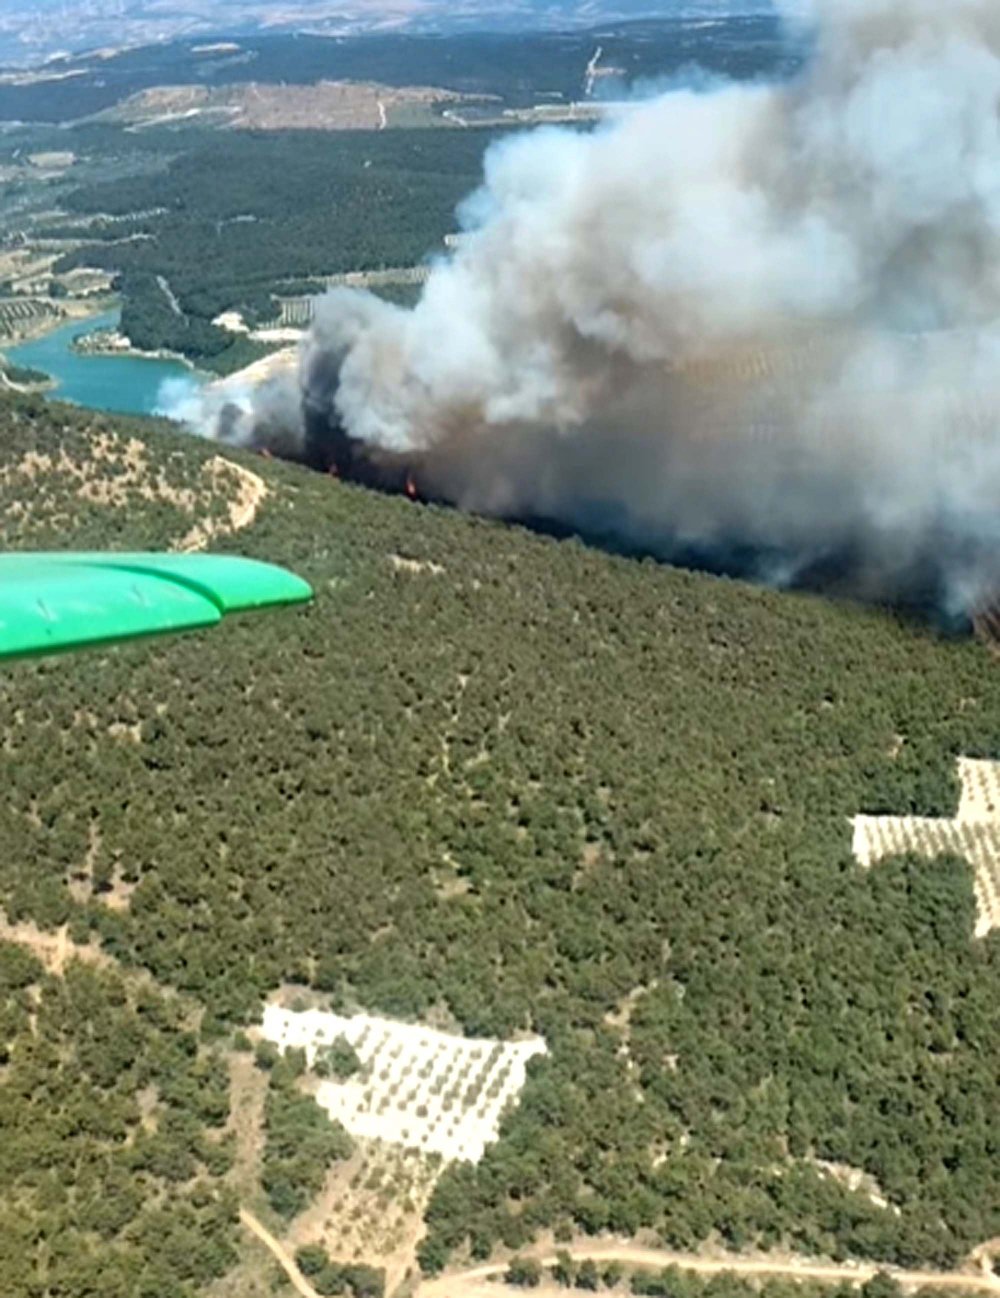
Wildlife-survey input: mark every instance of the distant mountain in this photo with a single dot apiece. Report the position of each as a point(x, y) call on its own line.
point(514, 68)
point(45, 29)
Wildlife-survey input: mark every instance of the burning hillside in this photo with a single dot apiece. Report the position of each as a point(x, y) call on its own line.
point(757, 326)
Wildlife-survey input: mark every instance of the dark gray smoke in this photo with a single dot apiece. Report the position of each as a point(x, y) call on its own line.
point(761, 322)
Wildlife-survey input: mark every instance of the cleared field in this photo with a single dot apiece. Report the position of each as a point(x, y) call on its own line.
point(425, 1090)
point(974, 834)
point(326, 105)
point(52, 160)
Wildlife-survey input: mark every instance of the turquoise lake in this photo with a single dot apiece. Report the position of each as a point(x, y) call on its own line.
point(129, 385)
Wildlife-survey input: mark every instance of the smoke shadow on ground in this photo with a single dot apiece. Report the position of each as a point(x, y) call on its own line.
point(835, 574)
point(838, 573)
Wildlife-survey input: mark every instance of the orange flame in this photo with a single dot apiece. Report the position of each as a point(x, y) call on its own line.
point(411, 486)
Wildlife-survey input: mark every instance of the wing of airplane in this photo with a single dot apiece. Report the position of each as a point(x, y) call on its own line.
point(54, 602)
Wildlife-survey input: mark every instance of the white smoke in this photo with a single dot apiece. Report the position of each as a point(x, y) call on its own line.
point(181, 399)
point(763, 316)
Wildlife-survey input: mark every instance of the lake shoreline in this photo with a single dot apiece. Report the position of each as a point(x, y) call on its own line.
point(69, 311)
point(112, 342)
point(119, 379)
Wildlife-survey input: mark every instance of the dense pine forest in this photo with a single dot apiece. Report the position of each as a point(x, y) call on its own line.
point(515, 784)
point(294, 207)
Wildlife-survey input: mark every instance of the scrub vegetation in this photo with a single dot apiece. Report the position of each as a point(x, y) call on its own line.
point(112, 1157)
point(512, 785)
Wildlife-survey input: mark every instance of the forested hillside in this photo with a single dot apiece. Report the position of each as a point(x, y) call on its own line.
point(294, 207)
point(525, 786)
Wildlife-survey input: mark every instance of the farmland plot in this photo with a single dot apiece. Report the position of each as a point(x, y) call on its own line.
point(372, 1209)
point(416, 1087)
point(21, 315)
point(974, 834)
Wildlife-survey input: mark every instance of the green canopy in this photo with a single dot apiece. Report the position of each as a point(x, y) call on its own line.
point(54, 602)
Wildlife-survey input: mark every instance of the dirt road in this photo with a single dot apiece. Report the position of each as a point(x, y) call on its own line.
point(476, 1283)
point(281, 1255)
point(480, 1282)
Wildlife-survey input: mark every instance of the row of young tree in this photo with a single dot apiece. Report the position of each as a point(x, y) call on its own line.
point(542, 789)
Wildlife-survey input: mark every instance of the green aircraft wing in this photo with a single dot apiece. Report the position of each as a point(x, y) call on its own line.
point(54, 602)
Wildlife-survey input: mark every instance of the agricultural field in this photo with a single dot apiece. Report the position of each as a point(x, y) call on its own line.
point(324, 106)
point(34, 295)
point(973, 835)
point(424, 1090)
point(23, 317)
point(371, 1208)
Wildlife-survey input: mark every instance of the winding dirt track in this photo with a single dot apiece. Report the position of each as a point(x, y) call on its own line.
point(474, 1284)
point(281, 1255)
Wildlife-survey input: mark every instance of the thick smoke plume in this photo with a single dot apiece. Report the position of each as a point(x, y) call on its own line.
point(758, 325)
